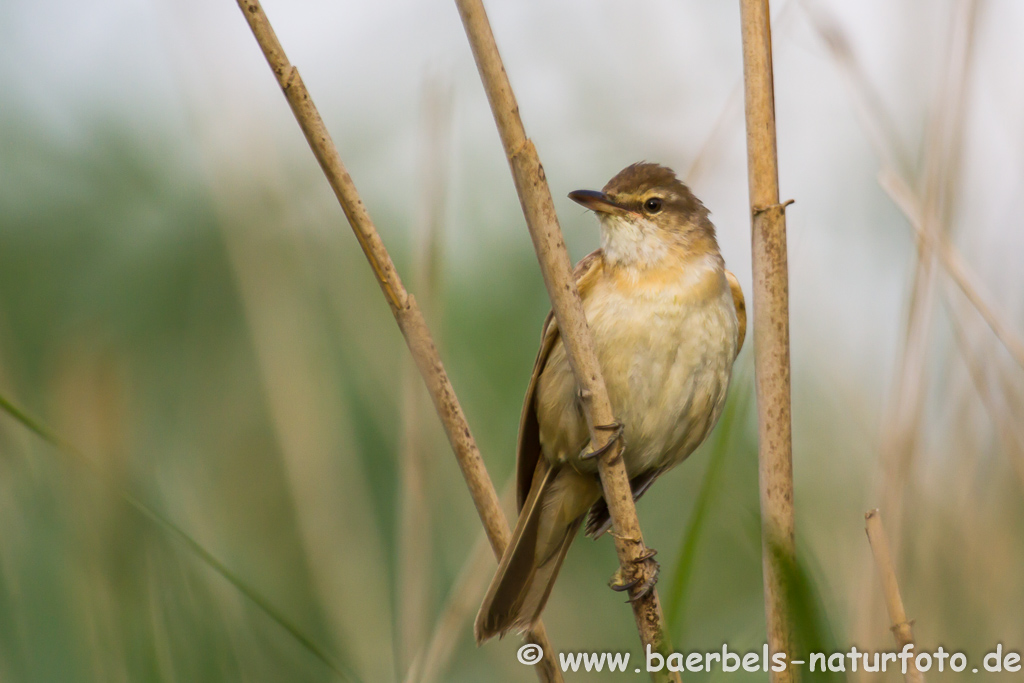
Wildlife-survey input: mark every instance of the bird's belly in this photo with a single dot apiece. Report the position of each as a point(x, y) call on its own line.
point(666, 362)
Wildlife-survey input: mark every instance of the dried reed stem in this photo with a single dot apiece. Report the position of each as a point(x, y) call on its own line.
point(878, 125)
point(901, 426)
point(771, 327)
point(459, 608)
point(403, 305)
point(313, 430)
point(943, 143)
point(952, 262)
point(458, 611)
point(1006, 424)
point(901, 628)
point(721, 135)
point(556, 268)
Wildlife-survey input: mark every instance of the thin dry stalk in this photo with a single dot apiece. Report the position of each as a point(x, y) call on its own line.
point(771, 327)
point(944, 138)
point(414, 556)
point(414, 535)
point(459, 609)
point(711, 150)
point(932, 216)
point(901, 425)
point(900, 429)
point(952, 262)
point(720, 135)
point(901, 627)
point(943, 144)
point(403, 305)
point(313, 432)
point(556, 268)
point(1006, 426)
point(870, 106)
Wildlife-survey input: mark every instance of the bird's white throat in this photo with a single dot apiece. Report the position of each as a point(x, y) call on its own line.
point(632, 241)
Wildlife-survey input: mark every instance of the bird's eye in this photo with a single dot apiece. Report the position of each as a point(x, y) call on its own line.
point(653, 205)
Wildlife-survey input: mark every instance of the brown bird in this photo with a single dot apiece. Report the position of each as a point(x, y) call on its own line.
point(668, 320)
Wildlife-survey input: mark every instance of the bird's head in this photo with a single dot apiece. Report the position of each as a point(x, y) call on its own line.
point(647, 215)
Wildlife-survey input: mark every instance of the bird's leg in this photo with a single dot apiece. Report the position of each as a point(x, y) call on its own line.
point(616, 428)
point(645, 571)
point(644, 575)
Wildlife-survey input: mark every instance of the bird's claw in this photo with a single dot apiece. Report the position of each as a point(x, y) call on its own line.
point(644, 576)
point(647, 554)
point(616, 428)
point(620, 583)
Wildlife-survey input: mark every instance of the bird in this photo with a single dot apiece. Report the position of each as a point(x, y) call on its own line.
point(668, 321)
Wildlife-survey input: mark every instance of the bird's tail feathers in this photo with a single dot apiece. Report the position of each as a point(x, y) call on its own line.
point(548, 522)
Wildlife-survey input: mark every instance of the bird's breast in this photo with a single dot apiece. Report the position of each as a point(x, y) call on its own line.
point(665, 342)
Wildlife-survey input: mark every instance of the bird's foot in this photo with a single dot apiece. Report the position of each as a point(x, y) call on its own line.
point(643, 579)
point(616, 429)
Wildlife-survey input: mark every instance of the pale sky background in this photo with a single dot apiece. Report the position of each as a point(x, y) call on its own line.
point(600, 85)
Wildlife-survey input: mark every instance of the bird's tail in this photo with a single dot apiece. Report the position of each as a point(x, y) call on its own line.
point(548, 522)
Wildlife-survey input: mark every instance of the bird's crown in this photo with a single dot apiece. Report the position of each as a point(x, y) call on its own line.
point(650, 189)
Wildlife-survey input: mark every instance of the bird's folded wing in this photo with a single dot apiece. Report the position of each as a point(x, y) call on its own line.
point(528, 450)
point(741, 308)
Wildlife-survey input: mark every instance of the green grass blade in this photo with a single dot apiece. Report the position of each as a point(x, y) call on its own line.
point(810, 624)
point(733, 416)
point(263, 604)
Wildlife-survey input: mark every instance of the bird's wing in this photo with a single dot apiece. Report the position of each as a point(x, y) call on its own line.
point(741, 308)
point(528, 449)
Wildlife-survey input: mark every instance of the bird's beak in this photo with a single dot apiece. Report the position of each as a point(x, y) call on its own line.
point(597, 201)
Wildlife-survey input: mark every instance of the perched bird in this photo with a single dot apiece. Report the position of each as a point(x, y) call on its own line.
point(668, 321)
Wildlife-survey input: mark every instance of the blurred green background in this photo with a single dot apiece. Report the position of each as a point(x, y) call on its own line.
point(181, 299)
